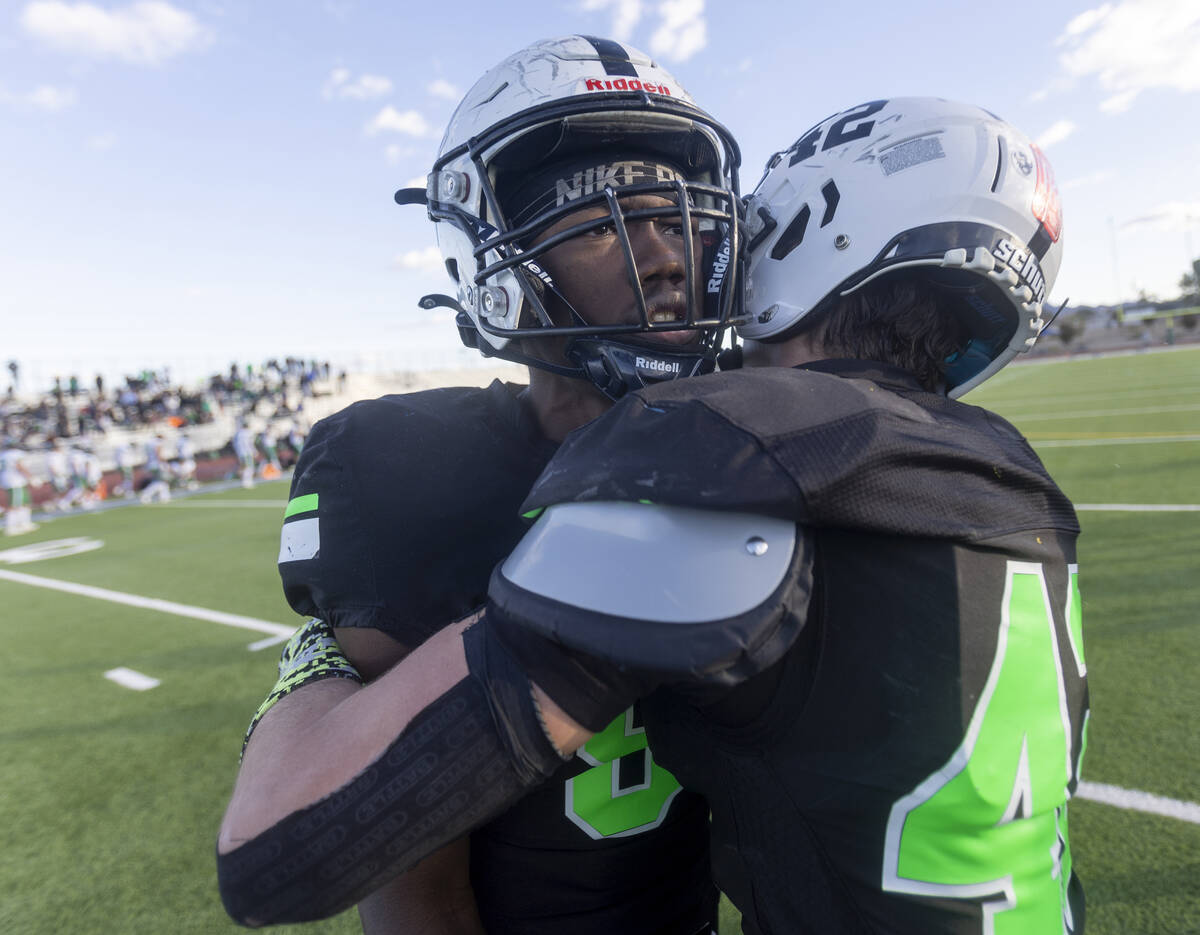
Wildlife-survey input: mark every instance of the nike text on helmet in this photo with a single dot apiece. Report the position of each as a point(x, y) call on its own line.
point(561, 125)
point(929, 187)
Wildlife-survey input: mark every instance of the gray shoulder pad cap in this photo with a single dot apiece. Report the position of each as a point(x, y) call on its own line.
point(699, 594)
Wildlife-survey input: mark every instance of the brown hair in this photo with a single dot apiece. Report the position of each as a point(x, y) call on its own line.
point(899, 320)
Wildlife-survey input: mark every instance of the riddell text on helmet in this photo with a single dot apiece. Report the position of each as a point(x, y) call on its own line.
point(626, 84)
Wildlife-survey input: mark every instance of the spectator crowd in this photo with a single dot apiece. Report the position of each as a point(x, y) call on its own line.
point(76, 444)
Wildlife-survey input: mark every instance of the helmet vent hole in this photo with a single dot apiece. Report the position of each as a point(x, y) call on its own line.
point(832, 197)
point(999, 163)
point(492, 96)
point(793, 235)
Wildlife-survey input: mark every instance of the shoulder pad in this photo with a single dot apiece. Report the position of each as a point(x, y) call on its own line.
point(696, 593)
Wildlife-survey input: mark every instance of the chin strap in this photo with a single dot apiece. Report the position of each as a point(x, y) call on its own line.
point(615, 367)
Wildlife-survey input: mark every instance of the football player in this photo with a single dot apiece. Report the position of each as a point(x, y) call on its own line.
point(14, 478)
point(860, 593)
point(245, 452)
point(578, 195)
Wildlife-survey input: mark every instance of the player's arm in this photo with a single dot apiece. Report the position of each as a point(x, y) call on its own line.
point(453, 735)
point(434, 897)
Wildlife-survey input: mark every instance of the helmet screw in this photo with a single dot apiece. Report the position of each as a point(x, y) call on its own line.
point(454, 186)
point(841, 241)
point(756, 545)
point(493, 301)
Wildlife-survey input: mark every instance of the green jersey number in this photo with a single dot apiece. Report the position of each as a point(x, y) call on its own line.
point(991, 825)
point(625, 792)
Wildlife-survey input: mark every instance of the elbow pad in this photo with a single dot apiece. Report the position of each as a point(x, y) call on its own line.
point(602, 602)
point(462, 760)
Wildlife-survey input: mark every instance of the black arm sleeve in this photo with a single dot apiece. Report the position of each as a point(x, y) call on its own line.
point(461, 761)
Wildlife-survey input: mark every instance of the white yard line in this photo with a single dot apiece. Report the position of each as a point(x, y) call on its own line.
point(1099, 413)
point(1140, 507)
point(1130, 440)
point(129, 678)
point(1094, 791)
point(150, 603)
point(1134, 800)
point(268, 642)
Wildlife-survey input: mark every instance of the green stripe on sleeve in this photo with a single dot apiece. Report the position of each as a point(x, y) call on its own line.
point(305, 504)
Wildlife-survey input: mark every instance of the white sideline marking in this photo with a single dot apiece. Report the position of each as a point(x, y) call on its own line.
point(131, 679)
point(1139, 801)
point(1140, 507)
point(54, 548)
point(1099, 413)
point(269, 641)
point(150, 603)
point(1131, 440)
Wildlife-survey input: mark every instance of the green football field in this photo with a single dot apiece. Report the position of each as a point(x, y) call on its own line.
point(113, 790)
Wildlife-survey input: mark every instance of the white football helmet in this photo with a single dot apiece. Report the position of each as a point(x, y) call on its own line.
point(942, 190)
point(556, 101)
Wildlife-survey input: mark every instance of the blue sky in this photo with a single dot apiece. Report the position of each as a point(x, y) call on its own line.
point(197, 181)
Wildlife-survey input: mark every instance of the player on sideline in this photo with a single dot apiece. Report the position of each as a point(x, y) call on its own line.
point(158, 487)
point(401, 506)
point(183, 465)
point(60, 474)
point(14, 478)
point(243, 448)
point(123, 456)
point(860, 593)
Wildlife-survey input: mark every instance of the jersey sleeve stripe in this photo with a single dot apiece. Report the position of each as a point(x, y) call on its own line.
point(304, 504)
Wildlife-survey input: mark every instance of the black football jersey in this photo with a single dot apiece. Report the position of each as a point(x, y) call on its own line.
point(905, 768)
point(399, 509)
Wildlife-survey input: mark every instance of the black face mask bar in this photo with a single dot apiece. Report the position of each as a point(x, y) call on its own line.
point(684, 209)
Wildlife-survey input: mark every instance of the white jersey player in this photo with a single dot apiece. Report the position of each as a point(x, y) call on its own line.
point(15, 480)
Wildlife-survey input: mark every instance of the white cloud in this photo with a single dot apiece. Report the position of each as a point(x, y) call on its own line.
point(51, 99)
point(409, 122)
point(44, 97)
point(1085, 21)
point(1056, 133)
point(428, 260)
point(145, 33)
point(1169, 216)
point(442, 88)
point(363, 88)
point(396, 153)
point(1133, 46)
point(102, 142)
point(682, 32)
point(1094, 178)
point(626, 15)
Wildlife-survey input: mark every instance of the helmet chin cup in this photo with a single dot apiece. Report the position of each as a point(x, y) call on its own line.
point(615, 367)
